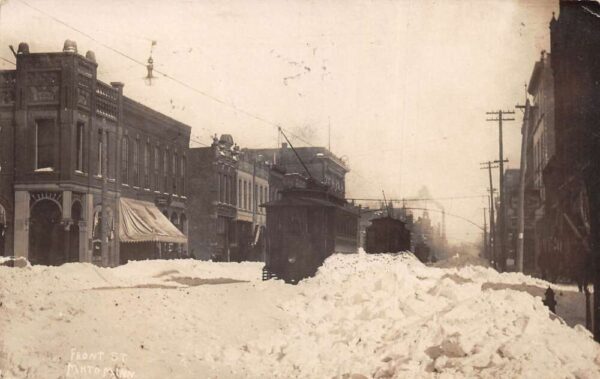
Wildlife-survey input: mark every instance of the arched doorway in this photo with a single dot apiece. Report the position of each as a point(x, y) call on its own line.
point(46, 242)
point(73, 248)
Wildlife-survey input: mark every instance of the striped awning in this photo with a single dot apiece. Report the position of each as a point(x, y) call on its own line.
point(142, 221)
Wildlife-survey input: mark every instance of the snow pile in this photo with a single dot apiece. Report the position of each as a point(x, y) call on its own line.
point(462, 260)
point(382, 316)
point(389, 316)
point(153, 319)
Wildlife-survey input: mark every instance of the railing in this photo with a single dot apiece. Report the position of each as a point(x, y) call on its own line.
point(266, 274)
point(106, 101)
point(7, 87)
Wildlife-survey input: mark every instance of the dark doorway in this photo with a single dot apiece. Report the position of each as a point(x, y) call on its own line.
point(3, 227)
point(46, 235)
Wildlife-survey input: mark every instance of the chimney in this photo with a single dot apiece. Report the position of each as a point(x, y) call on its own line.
point(70, 46)
point(23, 48)
point(90, 56)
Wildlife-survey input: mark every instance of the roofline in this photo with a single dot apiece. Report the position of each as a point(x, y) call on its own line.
point(136, 106)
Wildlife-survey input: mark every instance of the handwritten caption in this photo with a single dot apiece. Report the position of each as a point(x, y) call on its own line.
point(98, 364)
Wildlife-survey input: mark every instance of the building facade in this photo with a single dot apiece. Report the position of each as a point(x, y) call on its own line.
point(572, 176)
point(512, 179)
point(539, 148)
point(72, 148)
point(251, 219)
point(212, 199)
point(321, 163)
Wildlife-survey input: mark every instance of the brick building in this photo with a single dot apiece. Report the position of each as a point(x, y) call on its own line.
point(322, 164)
point(87, 174)
point(540, 147)
point(212, 199)
point(253, 176)
point(227, 187)
point(572, 176)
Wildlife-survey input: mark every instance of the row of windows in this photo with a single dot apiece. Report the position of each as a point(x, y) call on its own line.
point(152, 168)
point(45, 144)
point(248, 199)
point(145, 166)
point(226, 190)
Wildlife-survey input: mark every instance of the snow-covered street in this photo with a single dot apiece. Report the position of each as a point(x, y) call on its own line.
point(382, 316)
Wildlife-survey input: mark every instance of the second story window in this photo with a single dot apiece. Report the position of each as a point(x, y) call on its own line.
point(174, 165)
point(136, 163)
point(79, 149)
point(147, 165)
point(44, 142)
point(156, 166)
point(182, 169)
point(165, 170)
point(239, 197)
point(125, 161)
point(100, 152)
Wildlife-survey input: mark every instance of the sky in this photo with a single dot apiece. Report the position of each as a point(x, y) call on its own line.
point(399, 89)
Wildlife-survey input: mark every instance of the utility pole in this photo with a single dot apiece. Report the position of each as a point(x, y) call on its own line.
point(525, 130)
point(486, 248)
point(499, 116)
point(488, 166)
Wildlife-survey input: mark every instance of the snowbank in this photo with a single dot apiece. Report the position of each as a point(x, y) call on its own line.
point(388, 316)
point(382, 316)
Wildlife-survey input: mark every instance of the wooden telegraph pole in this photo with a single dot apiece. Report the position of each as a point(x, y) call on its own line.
point(499, 117)
point(488, 166)
point(486, 245)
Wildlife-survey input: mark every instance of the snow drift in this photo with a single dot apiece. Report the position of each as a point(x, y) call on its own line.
point(361, 316)
point(389, 316)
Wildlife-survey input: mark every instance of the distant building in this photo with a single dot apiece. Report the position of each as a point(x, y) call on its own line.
point(540, 147)
point(322, 164)
point(212, 199)
point(87, 174)
point(253, 190)
point(511, 196)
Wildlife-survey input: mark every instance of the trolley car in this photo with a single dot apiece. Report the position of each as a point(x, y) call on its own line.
point(304, 227)
point(387, 235)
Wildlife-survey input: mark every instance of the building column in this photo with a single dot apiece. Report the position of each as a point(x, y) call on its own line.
point(66, 205)
point(88, 211)
point(21, 224)
point(83, 243)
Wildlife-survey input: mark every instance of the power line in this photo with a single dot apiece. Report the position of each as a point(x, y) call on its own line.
point(174, 79)
point(422, 199)
point(6, 60)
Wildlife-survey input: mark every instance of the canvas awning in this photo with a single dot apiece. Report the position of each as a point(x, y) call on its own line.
point(142, 221)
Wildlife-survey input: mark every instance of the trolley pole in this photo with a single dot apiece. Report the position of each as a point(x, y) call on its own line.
point(499, 117)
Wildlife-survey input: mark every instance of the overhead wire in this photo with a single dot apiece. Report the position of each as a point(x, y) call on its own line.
point(6, 60)
point(168, 76)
